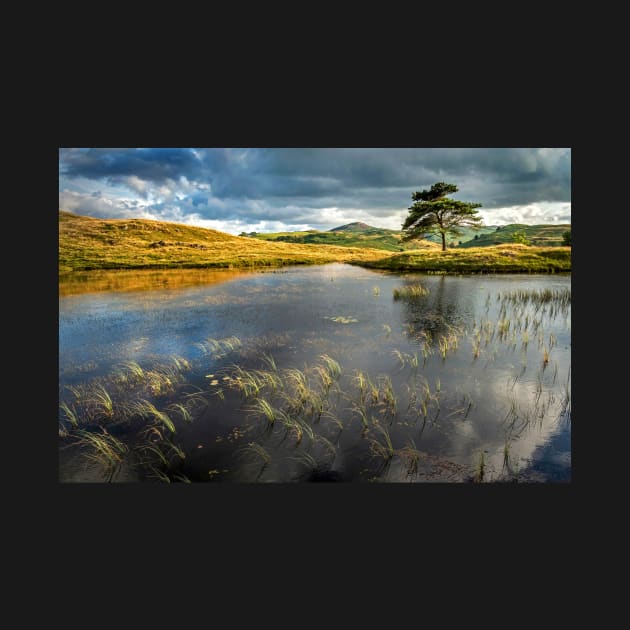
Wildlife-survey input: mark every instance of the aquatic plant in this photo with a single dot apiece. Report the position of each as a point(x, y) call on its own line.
point(410, 457)
point(146, 409)
point(104, 449)
point(383, 449)
point(410, 292)
point(70, 414)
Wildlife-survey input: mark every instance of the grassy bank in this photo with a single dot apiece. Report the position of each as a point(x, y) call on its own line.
point(86, 244)
point(498, 259)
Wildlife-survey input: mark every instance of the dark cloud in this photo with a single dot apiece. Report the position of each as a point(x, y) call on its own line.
point(150, 164)
point(292, 185)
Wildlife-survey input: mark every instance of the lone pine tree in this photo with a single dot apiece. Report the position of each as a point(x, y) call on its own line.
point(434, 213)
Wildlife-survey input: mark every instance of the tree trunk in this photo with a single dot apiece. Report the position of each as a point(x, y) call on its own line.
point(443, 242)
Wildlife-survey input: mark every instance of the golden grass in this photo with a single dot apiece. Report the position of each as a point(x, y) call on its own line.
point(87, 243)
point(498, 258)
point(79, 282)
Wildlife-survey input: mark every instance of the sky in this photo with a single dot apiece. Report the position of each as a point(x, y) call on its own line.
point(285, 189)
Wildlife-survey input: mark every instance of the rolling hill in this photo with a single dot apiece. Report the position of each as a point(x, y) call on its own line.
point(361, 234)
point(87, 243)
point(351, 235)
point(542, 235)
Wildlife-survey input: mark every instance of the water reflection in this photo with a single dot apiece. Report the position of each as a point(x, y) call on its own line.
point(144, 280)
point(476, 394)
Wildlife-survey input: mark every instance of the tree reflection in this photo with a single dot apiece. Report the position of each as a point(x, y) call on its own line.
point(436, 313)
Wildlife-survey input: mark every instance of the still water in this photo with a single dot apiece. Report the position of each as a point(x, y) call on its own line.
point(314, 373)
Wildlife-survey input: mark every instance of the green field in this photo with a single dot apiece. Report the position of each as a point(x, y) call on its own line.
point(540, 235)
point(363, 235)
point(351, 235)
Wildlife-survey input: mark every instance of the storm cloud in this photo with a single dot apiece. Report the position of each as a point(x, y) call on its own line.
point(239, 189)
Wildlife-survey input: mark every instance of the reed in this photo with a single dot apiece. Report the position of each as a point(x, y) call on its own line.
point(183, 411)
point(411, 291)
point(258, 452)
point(383, 449)
point(103, 405)
point(270, 362)
point(146, 409)
point(70, 414)
point(389, 396)
point(332, 366)
point(104, 449)
point(410, 457)
point(262, 408)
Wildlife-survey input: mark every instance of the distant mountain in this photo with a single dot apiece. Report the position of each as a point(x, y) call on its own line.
point(359, 234)
point(544, 235)
point(356, 234)
point(357, 226)
point(87, 243)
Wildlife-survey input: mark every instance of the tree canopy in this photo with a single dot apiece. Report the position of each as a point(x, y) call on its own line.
point(435, 213)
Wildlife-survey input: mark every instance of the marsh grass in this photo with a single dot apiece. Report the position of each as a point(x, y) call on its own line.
point(104, 449)
point(388, 395)
point(411, 291)
point(406, 359)
point(382, 448)
point(332, 366)
point(70, 414)
point(262, 408)
point(257, 454)
point(537, 297)
point(183, 411)
point(219, 348)
point(481, 468)
point(306, 460)
point(410, 456)
point(146, 409)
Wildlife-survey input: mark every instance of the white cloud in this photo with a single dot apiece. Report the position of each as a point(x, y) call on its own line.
point(103, 206)
point(138, 185)
point(530, 214)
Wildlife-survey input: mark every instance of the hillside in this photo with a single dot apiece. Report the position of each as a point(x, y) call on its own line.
point(350, 235)
point(540, 235)
point(468, 234)
point(87, 243)
point(357, 226)
point(360, 234)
